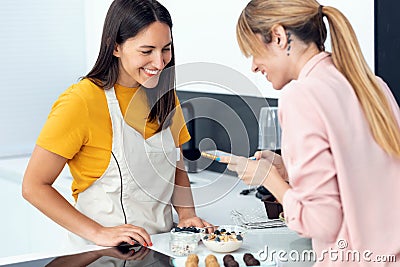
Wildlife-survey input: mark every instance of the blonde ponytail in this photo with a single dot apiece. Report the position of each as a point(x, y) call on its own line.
point(348, 59)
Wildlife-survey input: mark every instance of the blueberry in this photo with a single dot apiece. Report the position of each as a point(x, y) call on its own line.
point(217, 239)
point(188, 229)
point(217, 232)
point(239, 237)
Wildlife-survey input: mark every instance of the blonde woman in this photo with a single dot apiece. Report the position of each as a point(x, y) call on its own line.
point(340, 133)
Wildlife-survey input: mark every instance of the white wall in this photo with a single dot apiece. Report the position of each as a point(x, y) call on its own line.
point(204, 31)
point(42, 52)
point(95, 13)
point(362, 20)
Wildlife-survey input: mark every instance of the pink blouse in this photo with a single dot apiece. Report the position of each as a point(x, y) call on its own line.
point(345, 191)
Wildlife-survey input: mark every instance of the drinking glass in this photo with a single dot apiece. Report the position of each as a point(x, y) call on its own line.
point(269, 131)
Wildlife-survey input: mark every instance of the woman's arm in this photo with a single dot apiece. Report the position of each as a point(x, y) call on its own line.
point(43, 169)
point(313, 205)
point(182, 198)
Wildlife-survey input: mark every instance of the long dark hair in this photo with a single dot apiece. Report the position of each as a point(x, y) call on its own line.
point(124, 20)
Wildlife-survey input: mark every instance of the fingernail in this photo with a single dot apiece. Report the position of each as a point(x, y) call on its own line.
point(145, 244)
point(253, 158)
point(151, 244)
point(218, 159)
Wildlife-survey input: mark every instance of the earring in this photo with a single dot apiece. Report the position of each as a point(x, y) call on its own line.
point(289, 40)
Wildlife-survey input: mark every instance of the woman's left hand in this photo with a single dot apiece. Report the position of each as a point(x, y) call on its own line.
point(193, 221)
point(259, 172)
point(252, 172)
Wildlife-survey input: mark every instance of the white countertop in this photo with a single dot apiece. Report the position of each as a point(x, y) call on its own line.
point(273, 239)
point(218, 194)
point(215, 194)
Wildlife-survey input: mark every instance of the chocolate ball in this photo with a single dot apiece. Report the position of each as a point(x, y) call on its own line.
point(228, 257)
point(252, 262)
point(247, 256)
point(249, 260)
point(231, 263)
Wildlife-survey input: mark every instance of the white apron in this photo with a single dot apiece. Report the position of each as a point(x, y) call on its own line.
point(137, 186)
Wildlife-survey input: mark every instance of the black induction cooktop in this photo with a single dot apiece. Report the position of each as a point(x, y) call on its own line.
point(124, 256)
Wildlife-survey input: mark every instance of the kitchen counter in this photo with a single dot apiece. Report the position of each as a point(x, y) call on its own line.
point(261, 243)
point(215, 195)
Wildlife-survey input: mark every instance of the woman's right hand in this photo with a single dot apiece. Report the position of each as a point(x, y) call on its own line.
point(275, 159)
point(113, 236)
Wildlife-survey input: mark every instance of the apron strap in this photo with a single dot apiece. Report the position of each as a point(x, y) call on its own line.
point(116, 121)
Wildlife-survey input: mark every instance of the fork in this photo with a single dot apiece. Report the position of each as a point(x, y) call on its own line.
point(269, 223)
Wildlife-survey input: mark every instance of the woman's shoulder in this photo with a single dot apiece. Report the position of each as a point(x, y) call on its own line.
point(86, 89)
point(322, 83)
point(81, 96)
point(83, 92)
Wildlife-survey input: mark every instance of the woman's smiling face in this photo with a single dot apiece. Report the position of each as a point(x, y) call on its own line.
point(144, 56)
point(273, 63)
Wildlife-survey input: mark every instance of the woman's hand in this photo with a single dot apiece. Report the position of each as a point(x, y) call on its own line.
point(113, 236)
point(193, 221)
point(275, 159)
point(252, 172)
point(261, 171)
point(196, 222)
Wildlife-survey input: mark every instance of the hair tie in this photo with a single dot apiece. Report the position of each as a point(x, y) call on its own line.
point(320, 10)
point(321, 27)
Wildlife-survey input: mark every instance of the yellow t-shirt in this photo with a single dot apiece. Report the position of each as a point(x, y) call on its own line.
point(79, 128)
